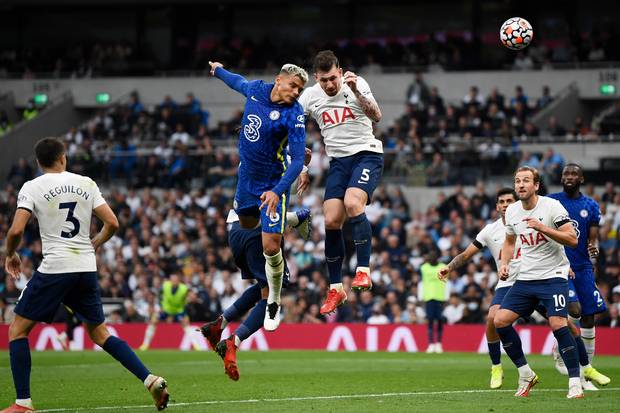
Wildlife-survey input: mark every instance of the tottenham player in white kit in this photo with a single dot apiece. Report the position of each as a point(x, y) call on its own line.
point(543, 226)
point(492, 236)
point(63, 204)
point(345, 109)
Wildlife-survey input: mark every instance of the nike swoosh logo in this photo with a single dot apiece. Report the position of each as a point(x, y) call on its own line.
point(362, 182)
point(559, 309)
point(253, 98)
point(273, 225)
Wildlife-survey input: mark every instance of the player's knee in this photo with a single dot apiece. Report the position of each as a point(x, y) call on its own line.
point(98, 334)
point(354, 206)
point(20, 328)
point(272, 248)
point(500, 320)
point(574, 310)
point(557, 323)
point(333, 221)
point(586, 321)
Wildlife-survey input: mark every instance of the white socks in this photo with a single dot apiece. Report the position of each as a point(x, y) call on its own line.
point(336, 286)
point(149, 380)
point(274, 269)
point(237, 341)
point(588, 335)
point(525, 371)
point(291, 219)
point(224, 322)
point(25, 403)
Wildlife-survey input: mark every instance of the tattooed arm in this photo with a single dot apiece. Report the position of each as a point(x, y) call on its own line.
point(459, 260)
point(369, 106)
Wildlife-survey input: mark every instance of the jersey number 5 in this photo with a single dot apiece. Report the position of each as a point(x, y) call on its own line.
point(70, 218)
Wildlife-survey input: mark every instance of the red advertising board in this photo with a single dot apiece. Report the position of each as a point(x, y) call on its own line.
point(331, 337)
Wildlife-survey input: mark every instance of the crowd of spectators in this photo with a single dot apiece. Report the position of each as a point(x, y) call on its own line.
point(438, 51)
point(165, 231)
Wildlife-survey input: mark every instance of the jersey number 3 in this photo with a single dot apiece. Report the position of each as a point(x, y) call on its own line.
point(70, 218)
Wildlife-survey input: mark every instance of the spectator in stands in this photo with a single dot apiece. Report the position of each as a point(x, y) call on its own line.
point(180, 135)
point(123, 161)
point(418, 93)
point(436, 106)
point(473, 98)
point(20, 173)
point(610, 193)
point(496, 98)
point(169, 103)
point(437, 172)
point(5, 123)
point(377, 316)
point(530, 159)
point(554, 129)
point(552, 165)
point(523, 62)
point(453, 312)
point(135, 106)
point(30, 111)
point(519, 97)
point(545, 99)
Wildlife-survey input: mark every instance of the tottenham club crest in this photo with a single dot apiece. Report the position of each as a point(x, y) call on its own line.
point(583, 213)
point(274, 115)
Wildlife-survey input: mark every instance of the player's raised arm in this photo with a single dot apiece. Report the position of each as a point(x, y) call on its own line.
point(362, 92)
point(233, 80)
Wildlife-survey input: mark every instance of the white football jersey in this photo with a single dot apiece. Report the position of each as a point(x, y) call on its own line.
point(541, 257)
point(63, 204)
point(492, 236)
point(345, 128)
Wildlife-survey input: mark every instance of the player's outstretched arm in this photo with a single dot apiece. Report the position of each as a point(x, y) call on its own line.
point(458, 261)
point(369, 106)
point(12, 264)
point(110, 225)
point(233, 80)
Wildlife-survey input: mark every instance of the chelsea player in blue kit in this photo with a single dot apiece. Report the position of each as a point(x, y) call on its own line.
point(585, 299)
point(272, 120)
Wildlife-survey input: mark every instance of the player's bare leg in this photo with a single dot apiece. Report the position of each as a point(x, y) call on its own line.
point(355, 205)
point(335, 215)
point(274, 270)
point(493, 341)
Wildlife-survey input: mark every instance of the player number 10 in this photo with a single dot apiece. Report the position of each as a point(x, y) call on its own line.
point(560, 300)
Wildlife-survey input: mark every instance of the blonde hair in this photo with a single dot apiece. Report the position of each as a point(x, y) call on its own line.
point(295, 70)
point(533, 170)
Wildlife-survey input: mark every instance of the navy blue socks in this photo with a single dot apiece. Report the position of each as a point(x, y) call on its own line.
point(362, 237)
point(119, 349)
point(20, 366)
point(243, 304)
point(253, 322)
point(568, 350)
point(512, 345)
point(334, 254)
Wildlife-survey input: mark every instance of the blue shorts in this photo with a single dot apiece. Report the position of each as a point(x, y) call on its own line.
point(163, 316)
point(248, 201)
point(434, 310)
point(500, 293)
point(583, 289)
point(362, 170)
point(79, 291)
point(247, 248)
point(524, 296)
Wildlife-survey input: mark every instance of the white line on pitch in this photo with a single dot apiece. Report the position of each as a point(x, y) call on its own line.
point(305, 398)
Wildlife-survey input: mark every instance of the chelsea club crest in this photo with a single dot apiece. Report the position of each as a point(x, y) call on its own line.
point(274, 115)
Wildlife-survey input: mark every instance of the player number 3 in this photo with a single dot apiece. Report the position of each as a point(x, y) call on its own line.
point(70, 218)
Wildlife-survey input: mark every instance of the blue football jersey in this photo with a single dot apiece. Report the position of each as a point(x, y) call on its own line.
point(584, 213)
point(267, 129)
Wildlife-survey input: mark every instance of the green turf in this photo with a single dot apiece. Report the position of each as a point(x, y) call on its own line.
point(81, 381)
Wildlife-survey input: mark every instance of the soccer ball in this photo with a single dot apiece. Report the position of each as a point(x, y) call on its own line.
point(516, 33)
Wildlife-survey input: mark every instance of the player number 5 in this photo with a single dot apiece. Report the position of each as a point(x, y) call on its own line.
point(365, 175)
point(70, 218)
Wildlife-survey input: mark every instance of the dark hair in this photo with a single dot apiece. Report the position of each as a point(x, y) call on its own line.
point(506, 191)
point(324, 61)
point(574, 165)
point(534, 172)
point(48, 151)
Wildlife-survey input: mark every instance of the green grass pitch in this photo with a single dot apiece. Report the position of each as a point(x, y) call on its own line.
point(302, 381)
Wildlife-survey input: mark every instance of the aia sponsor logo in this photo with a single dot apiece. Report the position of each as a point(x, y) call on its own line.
point(333, 117)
